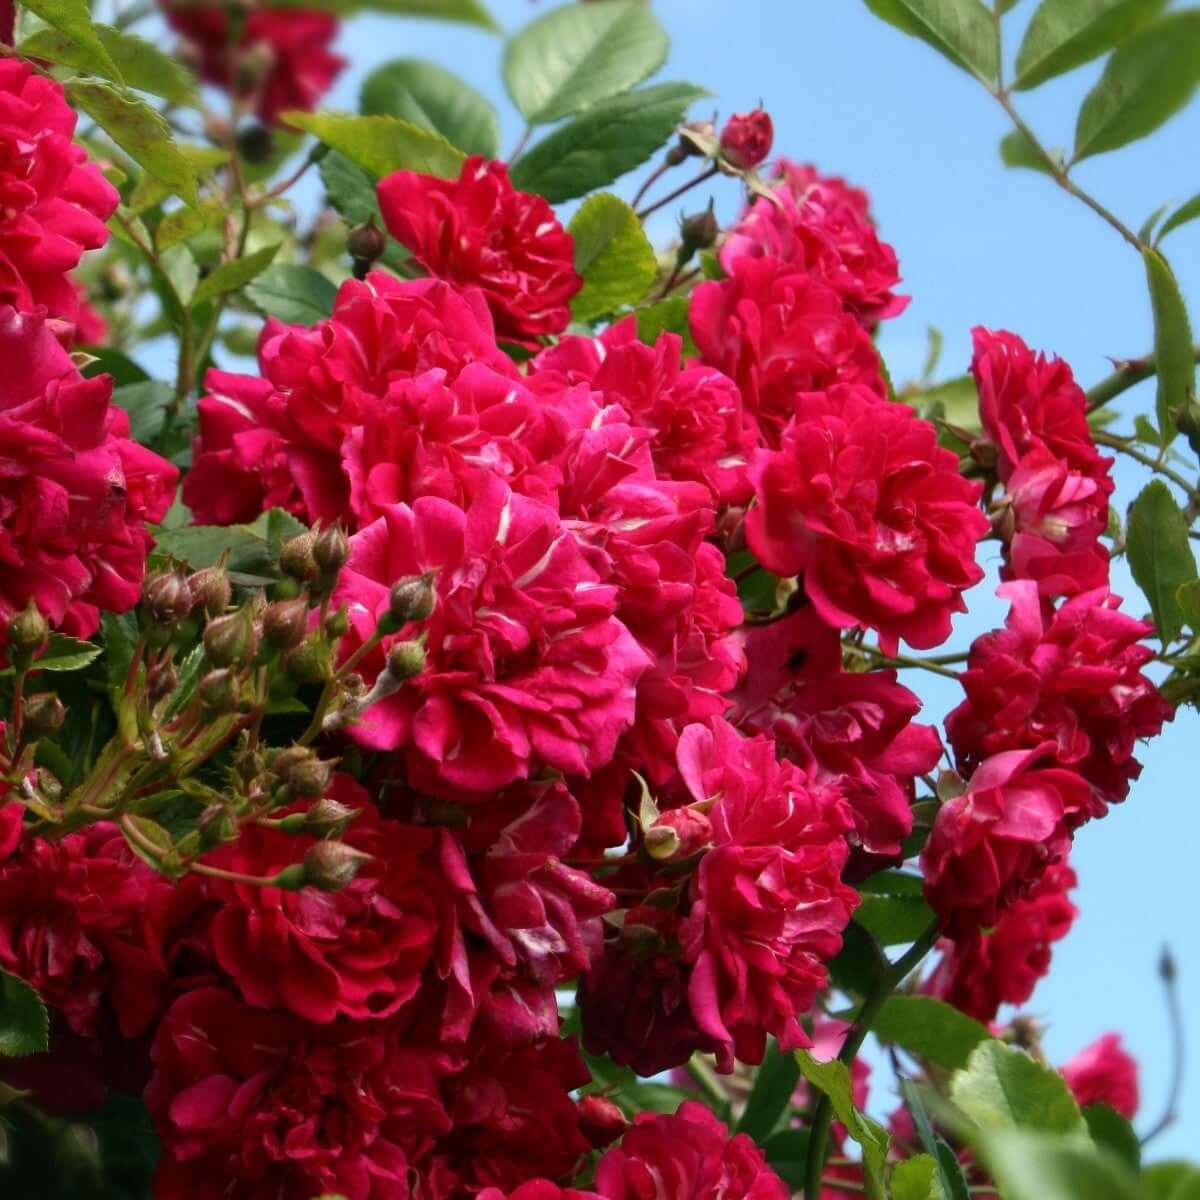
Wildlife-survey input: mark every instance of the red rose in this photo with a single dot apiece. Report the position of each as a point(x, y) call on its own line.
point(479, 231)
point(777, 332)
point(77, 493)
point(688, 1156)
point(1004, 964)
point(862, 503)
point(1073, 677)
point(56, 203)
point(1104, 1073)
point(281, 60)
point(990, 845)
point(746, 139)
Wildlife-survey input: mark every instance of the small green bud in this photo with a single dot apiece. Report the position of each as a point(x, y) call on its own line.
point(310, 777)
point(212, 590)
point(167, 596)
point(218, 690)
point(331, 866)
point(331, 549)
point(698, 232)
point(44, 714)
point(296, 557)
point(284, 623)
point(27, 631)
point(405, 660)
point(366, 243)
point(411, 599)
point(337, 624)
point(309, 662)
point(329, 818)
point(231, 639)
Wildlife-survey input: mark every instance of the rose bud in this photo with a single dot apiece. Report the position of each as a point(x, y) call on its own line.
point(309, 662)
point(255, 142)
point(167, 596)
point(27, 631)
point(405, 660)
point(218, 690)
point(310, 777)
point(337, 624)
point(284, 623)
point(231, 639)
point(329, 818)
point(330, 866)
point(44, 714)
point(601, 1121)
point(296, 557)
point(746, 139)
point(692, 830)
point(411, 599)
point(211, 589)
point(331, 549)
point(686, 147)
point(366, 244)
point(697, 232)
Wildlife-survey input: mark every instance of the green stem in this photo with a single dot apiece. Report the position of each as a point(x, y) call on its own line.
point(707, 1079)
point(936, 664)
point(1127, 375)
point(1125, 446)
point(706, 174)
point(896, 973)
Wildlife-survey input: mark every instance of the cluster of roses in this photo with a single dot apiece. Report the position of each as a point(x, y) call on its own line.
point(581, 778)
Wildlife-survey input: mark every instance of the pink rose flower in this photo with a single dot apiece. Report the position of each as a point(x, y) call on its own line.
point(777, 332)
point(479, 231)
point(525, 664)
point(863, 504)
point(1104, 1073)
point(56, 204)
point(1073, 677)
point(77, 494)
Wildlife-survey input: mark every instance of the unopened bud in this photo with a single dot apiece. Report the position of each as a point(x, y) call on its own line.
point(231, 639)
point(286, 759)
point(218, 690)
point(27, 631)
point(211, 589)
point(411, 599)
point(255, 143)
point(366, 243)
point(296, 557)
point(698, 232)
point(331, 549)
point(44, 714)
point(167, 596)
point(310, 778)
point(216, 825)
point(291, 879)
point(309, 662)
point(701, 133)
point(405, 660)
point(162, 681)
point(331, 866)
point(746, 139)
point(284, 623)
point(329, 818)
point(252, 65)
point(337, 624)
point(692, 831)
point(601, 1121)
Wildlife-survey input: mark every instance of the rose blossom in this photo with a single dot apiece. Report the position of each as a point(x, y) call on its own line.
point(55, 203)
point(768, 905)
point(863, 504)
point(1003, 965)
point(991, 844)
point(1104, 1073)
point(282, 59)
point(287, 439)
point(746, 139)
point(1071, 676)
point(537, 1189)
point(76, 493)
point(855, 730)
point(777, 331)
point(821, 226)
point(687, 1156)
point(525, 663)
point(479, 231)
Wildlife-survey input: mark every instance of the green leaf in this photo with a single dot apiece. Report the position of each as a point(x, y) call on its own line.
point(185, 222)
point(350, 189)
point(146, 403)
point(581, 53)
point(190, 671)
point(435, 99)
point(236, 273)
point(929, 1029)
point(1171, 1181)
point(252, 549)
point(963, 30)
point(1160, 555)
point(860, 963)
point(1016, 150)
point(74, 19)
point(666, 316)
point(1065, 34)
point(1173, 353)
point(953, 1182)
point(613, 255)
point(1188, 597)
point(142, 64)
point(609, 139)
point(893, 908)
point(774, 1083)
point(1147, 80)
point(1030, 1165)
point(24, 1022)
point(469, 12)
point(382, 145)
point(1181, 216)
point(917, 1179)
point(1003, 1088)
point(138, 130)
point(833, 1078)
point(1112, 1131)
point(293, 293)
point(787, 1154)
point(112, 362)
point(67, 654)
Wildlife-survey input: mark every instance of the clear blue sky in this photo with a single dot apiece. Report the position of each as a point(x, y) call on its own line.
point(977, 244)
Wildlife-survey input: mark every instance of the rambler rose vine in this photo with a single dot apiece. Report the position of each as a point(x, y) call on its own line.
point(475, 748)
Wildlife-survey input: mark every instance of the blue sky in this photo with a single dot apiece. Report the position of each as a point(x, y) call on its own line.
point(978, 244)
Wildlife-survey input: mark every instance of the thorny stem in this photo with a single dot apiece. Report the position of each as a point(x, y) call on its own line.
point(1125, 446)
point(896, 973)
point(1128, 374)
point(707, 173)
point(936, 664)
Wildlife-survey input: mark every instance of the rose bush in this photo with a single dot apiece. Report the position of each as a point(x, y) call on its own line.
point(463, 735)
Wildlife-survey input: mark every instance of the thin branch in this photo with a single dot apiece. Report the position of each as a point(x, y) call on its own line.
point(1129, 374)
point(1125, 446)
point(704, 175)
point(1167, 973)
